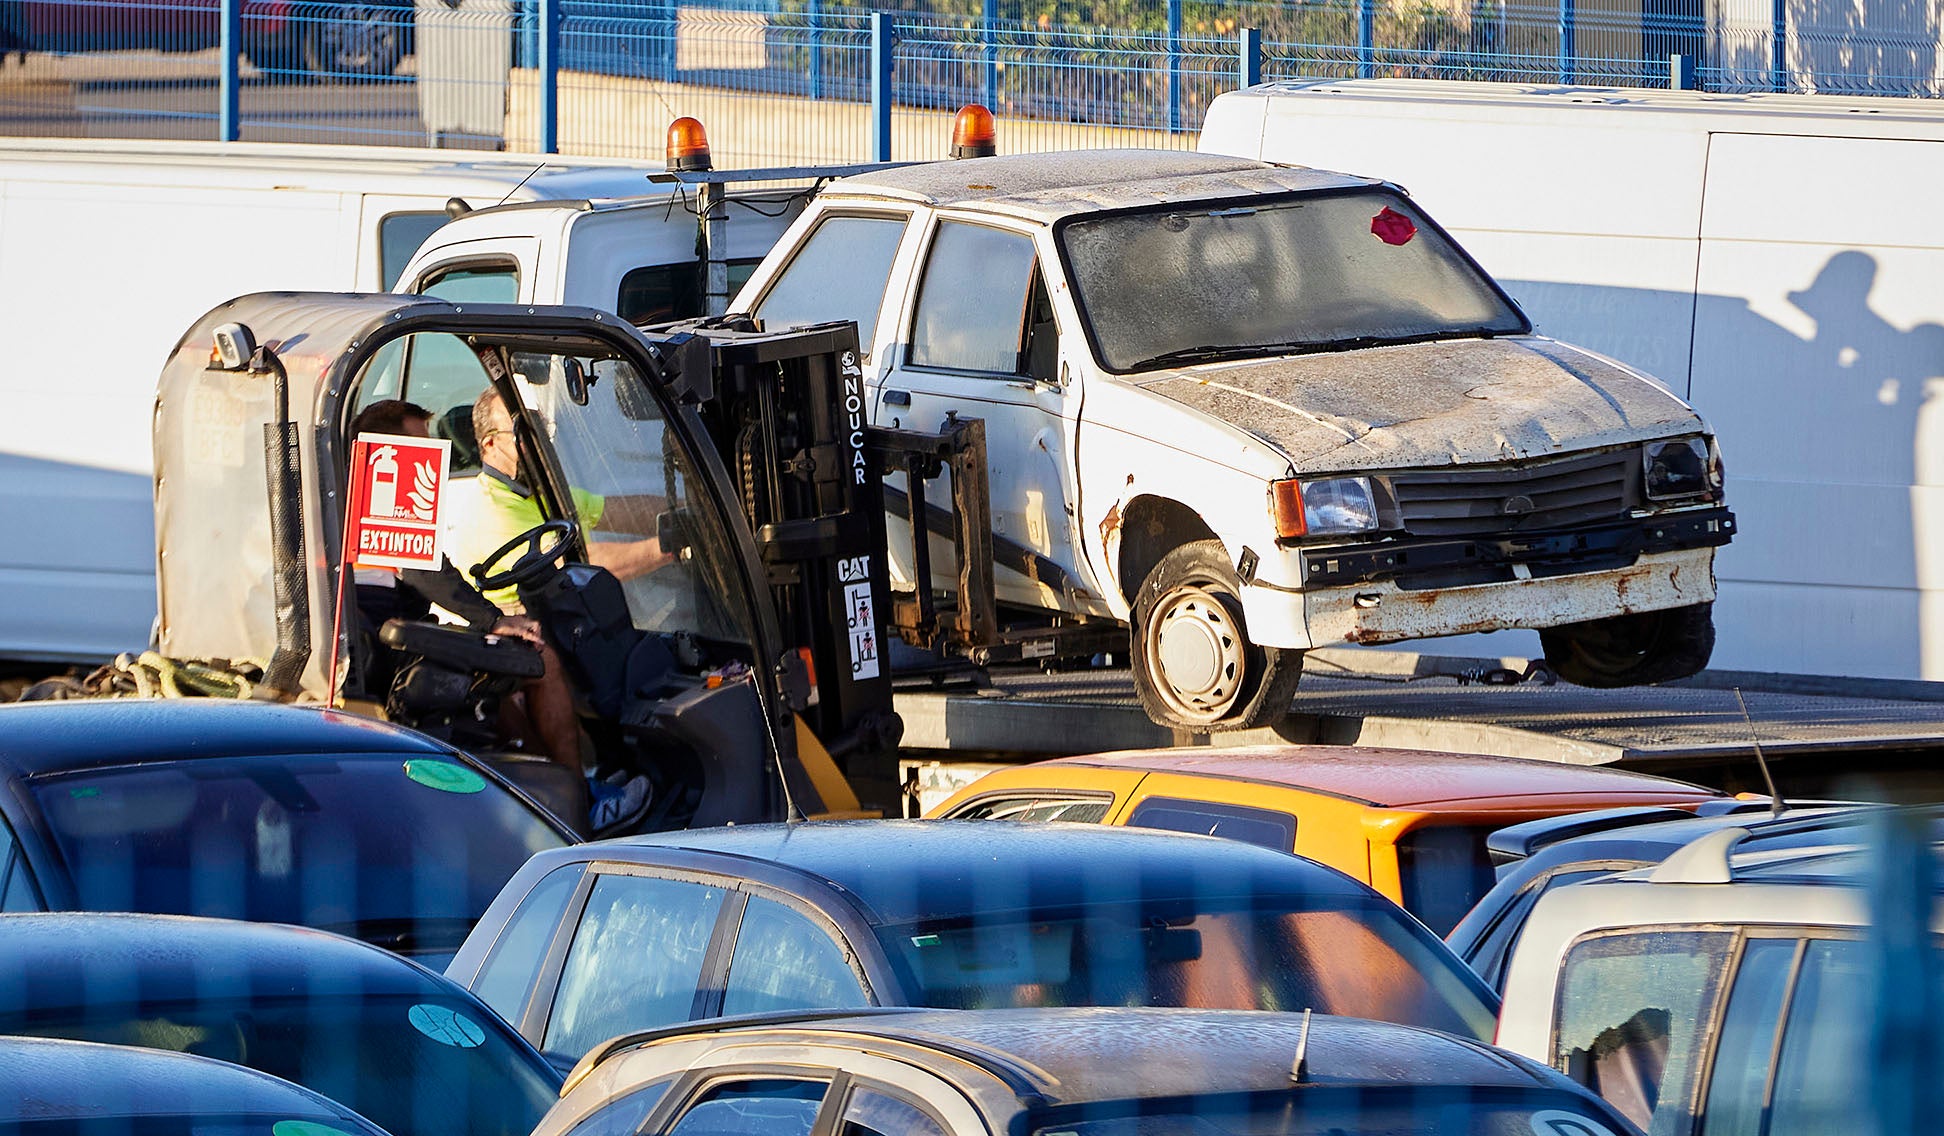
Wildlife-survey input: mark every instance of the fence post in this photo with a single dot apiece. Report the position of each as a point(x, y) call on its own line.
point(1779, 47)
point(1680, 72)
point(229, 81)
point(549, 76)
point(1566, 16)
point(814, 11)
point(990, 18)
point(1248, 46)
point(1174, 66)
point(882, 41)
point(1366, 39)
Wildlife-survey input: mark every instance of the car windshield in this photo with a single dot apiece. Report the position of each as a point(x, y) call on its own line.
point(1318, 1110)
point(415, 1065)
point(1310, 272)
point(1262, 953)
point(403, 853)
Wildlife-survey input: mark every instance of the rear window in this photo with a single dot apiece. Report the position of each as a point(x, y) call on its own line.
point(1361, 960)
point(1266, 827)
point(403, 853)
point(1444, 870)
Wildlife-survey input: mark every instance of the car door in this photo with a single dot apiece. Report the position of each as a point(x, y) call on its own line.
point(982, 340)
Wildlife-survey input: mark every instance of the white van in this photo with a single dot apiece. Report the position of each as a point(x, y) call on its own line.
point(1774, 258)
point(168, 230)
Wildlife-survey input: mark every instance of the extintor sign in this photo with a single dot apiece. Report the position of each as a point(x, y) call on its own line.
point(397, 493)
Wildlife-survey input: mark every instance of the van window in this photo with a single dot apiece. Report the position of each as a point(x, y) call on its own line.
point(1632, 1013)
point(1444, 870)
point(658, 293)
point(399, 236)
point(972, 305)
point(840, 273)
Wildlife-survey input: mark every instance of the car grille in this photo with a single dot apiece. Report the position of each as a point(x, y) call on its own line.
point(1467, 502)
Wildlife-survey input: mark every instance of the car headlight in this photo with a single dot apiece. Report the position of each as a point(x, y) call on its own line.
point(1679, 467)
point(1336, 506)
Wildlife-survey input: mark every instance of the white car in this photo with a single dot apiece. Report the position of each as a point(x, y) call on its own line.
point(1247, 410)
point(1727, 990)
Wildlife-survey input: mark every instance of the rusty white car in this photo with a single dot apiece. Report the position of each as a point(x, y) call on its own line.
point(1248, 410)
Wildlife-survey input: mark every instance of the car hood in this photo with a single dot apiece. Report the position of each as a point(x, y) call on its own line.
point(1449, 402)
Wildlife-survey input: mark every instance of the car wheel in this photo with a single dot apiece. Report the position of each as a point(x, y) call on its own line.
point(353, 40)
point(1632, 650)
point(1194, 666)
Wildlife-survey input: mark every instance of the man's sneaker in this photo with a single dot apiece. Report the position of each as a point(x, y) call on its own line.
point(619, 800)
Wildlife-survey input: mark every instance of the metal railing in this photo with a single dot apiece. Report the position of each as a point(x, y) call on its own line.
point(812, 80)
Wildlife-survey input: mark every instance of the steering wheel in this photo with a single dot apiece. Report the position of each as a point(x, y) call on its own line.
point(535, 564)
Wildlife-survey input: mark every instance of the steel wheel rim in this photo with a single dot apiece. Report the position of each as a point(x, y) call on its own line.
point(1196, 652)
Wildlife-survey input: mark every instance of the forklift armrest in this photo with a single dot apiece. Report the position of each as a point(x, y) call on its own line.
point(464, 650)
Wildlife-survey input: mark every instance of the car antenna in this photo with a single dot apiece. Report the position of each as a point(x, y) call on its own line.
point(1776, 805)
point(522, 181)
point(1297, 1069)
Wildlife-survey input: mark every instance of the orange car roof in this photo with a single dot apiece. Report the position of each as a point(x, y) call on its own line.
point(1399, 778)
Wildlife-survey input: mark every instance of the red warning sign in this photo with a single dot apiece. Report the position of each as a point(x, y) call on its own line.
point(397, 493)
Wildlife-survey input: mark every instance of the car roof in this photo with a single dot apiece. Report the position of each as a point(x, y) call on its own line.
point(1397, 778)
point(1076, 1054)
point(1655, 841)
point(57, 737)
point(1048, 187)
point(47, 1080)
point(68, 958)
point(908, 870)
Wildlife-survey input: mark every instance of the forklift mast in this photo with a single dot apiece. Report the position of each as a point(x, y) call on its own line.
point(785, 409)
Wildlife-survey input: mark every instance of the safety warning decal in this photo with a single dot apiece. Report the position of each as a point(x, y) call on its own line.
point(854, 573)
point(397, 493)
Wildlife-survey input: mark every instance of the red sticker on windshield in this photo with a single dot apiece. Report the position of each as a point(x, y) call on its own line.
point(1392, 227)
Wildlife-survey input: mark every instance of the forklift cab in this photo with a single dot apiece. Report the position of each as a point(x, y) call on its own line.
point(684, 672)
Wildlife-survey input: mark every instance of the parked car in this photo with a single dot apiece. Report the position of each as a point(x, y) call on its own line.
point(1535, 857)
point(1245, 410)
point(379, 1034)
point(1725, 990)
point(1410, 823)
point(77, 1088)
point(250, 810)
point(1104, 1072)
point(641, 932)
point(324, 39)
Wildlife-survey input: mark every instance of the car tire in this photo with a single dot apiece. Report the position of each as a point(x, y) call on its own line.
point(1194, 666)
point(358, 39)
point(1632, 650)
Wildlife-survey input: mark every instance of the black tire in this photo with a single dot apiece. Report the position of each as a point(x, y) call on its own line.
point(1188, 615)
point(353, 40)
point(1632, 650)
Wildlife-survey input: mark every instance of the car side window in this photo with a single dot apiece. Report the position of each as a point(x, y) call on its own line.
point(1268, 827)
point(1745, 1049)
point(784, 961)
point(1496, 951)
point(974, 301)
point(400, 235)
point(1824, 1042)
point(506, 979)
point(1037, 806)
point(1632, 1013)
point(17, 891)
point(635, 961)
point(754, 1108)
point(870, 1112)
point(856, 250)
point(624, 1115)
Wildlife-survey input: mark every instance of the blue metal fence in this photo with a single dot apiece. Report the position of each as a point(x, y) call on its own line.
point(834, 79)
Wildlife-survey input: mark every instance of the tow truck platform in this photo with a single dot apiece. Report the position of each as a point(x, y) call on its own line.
point(1820, 736)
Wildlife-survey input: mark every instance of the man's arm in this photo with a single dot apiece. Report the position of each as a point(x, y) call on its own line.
point(628, 558)
point(631, 513)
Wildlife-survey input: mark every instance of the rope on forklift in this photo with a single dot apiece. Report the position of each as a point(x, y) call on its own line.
point(152, 675)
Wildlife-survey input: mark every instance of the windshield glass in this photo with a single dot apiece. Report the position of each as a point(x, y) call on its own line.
point(404, 854)
point(1301, 273)
point(413, 1065)
point(1318, 1110)
point(1217, 953)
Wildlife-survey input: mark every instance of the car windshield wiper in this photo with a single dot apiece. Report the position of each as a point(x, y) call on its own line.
point(1206, 353)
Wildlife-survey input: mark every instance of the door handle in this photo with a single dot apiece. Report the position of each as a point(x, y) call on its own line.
point(897, 398)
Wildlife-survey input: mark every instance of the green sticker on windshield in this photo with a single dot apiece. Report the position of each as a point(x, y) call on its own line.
point(444, 776)
point(84, 792)
point(446, 1026)
point(305, 1128)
